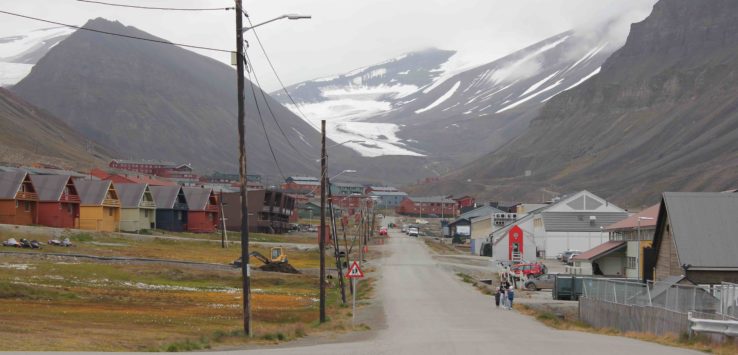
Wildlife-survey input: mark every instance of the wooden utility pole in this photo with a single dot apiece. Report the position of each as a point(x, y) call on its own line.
point(336, 245)
point(245, 267)
point(321, 243)
point(223, 232)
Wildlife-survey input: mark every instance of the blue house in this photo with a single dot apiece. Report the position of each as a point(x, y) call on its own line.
point(171, 208)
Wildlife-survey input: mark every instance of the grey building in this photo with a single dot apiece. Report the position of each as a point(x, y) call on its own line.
point(388, 199)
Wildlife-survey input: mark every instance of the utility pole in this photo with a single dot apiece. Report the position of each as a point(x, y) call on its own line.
point(245, 267)
point(321, 243)
point(336, 245)
point(223, 233)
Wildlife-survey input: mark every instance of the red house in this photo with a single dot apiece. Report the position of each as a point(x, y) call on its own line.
point(465, 201)
point(58, 201)
point(302, 185)
point(18, 198)
point(428, 207)
point(202, 216)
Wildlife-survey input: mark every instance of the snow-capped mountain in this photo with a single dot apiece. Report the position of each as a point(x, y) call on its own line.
point(19, 53)
point(348, 99)
point(404, 105)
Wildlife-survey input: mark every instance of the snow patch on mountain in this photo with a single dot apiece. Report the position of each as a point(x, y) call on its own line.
point(441, 99)
point(19, 53)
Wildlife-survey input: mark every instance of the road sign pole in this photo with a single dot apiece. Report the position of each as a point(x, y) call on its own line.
point(353, 304)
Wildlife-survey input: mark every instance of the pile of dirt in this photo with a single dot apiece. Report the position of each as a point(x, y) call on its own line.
point(279, 267)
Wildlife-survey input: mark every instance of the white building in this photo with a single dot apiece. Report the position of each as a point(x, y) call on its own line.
point(575, 222)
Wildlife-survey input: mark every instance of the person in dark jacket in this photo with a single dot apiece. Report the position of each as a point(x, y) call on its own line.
point(510, 296)
point(498, 294)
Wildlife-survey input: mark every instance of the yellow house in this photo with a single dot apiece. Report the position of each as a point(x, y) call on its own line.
point(100, 207)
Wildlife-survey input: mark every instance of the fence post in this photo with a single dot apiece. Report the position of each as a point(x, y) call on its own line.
point(648, 292)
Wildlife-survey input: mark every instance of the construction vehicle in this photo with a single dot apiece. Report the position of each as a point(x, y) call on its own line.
point(276, 262)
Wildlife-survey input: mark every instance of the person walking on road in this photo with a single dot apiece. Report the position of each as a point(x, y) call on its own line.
point(510, 297)
point(498, 295)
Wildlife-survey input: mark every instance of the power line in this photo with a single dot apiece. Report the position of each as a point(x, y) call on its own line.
point(274, 70)
point(271, 112)
point(116, 34)
point(263, 126)
point(158, 8)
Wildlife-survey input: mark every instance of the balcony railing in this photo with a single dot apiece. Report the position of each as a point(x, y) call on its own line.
point(69, 198)
point(111, 202)
point(23, 195)
point(180, 206)
point(148, 204)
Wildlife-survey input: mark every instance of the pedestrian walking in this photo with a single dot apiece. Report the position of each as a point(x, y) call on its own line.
point(498, 295)
point(510, 296)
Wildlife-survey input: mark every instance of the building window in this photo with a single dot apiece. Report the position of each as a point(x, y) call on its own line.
point(27, 206)
point(146, 213)
point(110, 212)
point(632, 262)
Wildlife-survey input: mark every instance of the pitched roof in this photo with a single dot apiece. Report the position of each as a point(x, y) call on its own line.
point(197, 197)
point(347, 184)
point(601, 250)
point(50, 187)
point(574, 214)
point(480, 211)
point(703, 226)
point(387, 193)
point(432, 199)
point(383, 188)
point(165, 196)
point(647, 218)
point(130, 195)
point(10, 182)
point(92, 192)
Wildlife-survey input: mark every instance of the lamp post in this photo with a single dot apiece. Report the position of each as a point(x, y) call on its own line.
point(239, 56)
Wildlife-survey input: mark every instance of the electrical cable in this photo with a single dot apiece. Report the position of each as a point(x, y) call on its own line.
point(158, 8)
point(271, 112)
point(274, 70)
point(263, 126)
point(116, 34)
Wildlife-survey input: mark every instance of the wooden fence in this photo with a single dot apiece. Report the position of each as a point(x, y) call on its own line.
point(632, 318)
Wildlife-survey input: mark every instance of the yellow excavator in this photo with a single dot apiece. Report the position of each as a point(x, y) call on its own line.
point(277, 255)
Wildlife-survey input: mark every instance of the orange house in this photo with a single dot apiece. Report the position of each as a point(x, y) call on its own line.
point(99, 209)
point(18, 198)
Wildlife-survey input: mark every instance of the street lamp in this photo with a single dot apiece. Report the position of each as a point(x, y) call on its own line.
point(287, 16)
point(241, 96)
point(638, 257)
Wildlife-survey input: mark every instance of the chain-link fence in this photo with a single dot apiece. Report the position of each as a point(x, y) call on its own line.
point(721, 301)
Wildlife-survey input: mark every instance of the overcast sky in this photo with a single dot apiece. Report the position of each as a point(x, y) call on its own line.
point(345, 34)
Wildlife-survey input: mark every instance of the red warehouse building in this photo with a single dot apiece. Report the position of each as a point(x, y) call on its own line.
point(428, 207)
point(58, 201)
point(302, 185)
point(202, 216)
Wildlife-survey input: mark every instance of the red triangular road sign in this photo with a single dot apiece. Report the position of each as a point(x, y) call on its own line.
point(354, 271)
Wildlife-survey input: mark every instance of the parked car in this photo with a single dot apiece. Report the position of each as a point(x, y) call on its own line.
point(412, 231)
point(529, 269)
point(541, 282)
point(383, 231)
point(564, 257)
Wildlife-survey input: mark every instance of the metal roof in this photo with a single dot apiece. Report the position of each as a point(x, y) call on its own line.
point(704, 226)
point(601, 250)
point(165, 196)
point(579, 221)
point(647, 218)
point(197, 197)
point(146, 162)
point(347, 184)
point(130, 195)
point(10, 182)
point(50, 187)
point(92, 192)
point(387, 193)
point(432, 199)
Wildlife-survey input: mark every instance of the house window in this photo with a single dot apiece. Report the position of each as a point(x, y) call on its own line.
point(70, 208)
point(179, 215)
point(27, 206)
point(110, 212)
point(146, 213)
point(632, 262)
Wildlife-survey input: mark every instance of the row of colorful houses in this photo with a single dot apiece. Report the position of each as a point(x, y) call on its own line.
point(64, 201)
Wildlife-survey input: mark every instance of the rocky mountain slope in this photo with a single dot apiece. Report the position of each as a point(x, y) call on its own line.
point(30, 135)
point(661, 115)
point(153, 101)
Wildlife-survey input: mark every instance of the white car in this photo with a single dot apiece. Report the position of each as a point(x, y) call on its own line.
point(412, 231)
